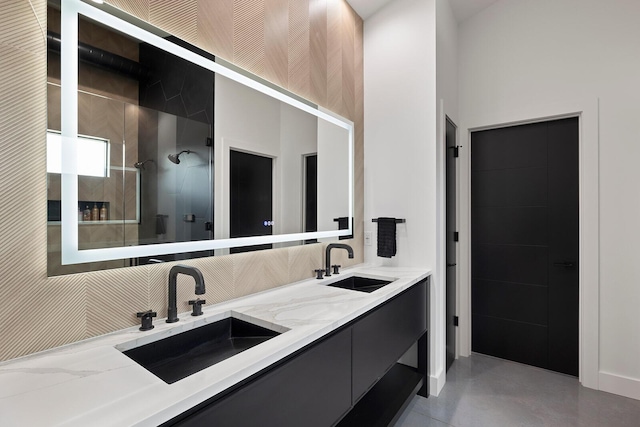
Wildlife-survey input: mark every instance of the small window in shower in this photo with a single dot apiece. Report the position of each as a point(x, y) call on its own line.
point(93, 155)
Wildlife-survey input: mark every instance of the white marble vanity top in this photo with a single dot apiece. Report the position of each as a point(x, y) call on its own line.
point(91, 383)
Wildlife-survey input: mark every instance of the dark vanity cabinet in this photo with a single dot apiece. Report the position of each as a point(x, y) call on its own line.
point(311, 389)
point(349, 377)
point(382, 337)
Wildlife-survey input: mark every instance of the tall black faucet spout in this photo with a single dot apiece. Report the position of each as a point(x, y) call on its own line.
point(172, 310)
point(327, 255)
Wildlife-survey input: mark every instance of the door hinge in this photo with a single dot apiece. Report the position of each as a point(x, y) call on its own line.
point(456, 236)
point(456, 150)
point(455, 320)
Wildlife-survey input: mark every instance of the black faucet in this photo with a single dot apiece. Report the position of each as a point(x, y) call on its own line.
point(327, 255)
point(172, 311)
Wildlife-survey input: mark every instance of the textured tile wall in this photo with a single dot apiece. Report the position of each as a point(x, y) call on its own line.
point(313, 48)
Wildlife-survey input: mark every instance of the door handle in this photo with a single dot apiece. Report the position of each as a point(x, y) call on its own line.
point(565, 264)
point(451, 264)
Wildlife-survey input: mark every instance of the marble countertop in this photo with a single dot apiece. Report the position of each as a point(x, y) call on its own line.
point(92, 383)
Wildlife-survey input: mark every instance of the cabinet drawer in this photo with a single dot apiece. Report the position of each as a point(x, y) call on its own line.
point(382, 337)
point(312, 389)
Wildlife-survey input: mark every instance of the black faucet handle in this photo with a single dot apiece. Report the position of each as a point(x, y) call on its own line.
point(197, 306)
point(336, 268)
point(147, 319)
point(319, 273)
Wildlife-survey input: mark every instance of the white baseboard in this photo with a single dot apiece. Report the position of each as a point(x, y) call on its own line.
point(436, 383)
point(624, 386)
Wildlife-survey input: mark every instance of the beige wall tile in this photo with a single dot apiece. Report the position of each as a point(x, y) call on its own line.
point(276, 38)
point(248, 35)
point(114, 297)
point(53, 107)
point(158, 287)
point(348, 64)
point(218, 277)
point(303, 260)
point(318, 50)
point(215, 27)
point(103, 38)
point(23, 219)
point(53, 186)
point(334, 56)
point(137, 8)
point(218, 280)
point(56, 314)
point(299, 53)
point(23, 24)
point(176, 17)
point(259, 271)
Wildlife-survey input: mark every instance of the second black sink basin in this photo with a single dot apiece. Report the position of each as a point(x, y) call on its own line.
point(178, 356)
point(362, 284)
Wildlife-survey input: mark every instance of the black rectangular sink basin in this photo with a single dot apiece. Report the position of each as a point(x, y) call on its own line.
point(178, 356)
point(362, 284)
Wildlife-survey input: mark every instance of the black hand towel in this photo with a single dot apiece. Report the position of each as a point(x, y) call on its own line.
point(386, 237)
point(161, 227)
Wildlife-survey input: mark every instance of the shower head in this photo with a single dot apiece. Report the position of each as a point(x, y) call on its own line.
point(140, 165)
point(175, 158)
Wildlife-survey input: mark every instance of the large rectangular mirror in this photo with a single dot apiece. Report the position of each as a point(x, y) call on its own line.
point(157, 151)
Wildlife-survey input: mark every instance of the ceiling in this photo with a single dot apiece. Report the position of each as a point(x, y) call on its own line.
point(462, 9)
point(366, 8)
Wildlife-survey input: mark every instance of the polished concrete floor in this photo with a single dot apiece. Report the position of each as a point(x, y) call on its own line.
point(485, 391)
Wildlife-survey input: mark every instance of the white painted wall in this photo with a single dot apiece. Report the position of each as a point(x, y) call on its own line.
point(298, 137)
point(520, 55)
point(333, 176)
point(447, 104)
point(244, 120)
point(250, 121)
point(447, 59)
point(400, 142)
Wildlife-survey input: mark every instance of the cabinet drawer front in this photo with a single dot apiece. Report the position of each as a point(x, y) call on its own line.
point(312, 389)
point(382, 337)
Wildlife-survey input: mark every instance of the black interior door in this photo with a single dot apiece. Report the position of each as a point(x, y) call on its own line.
point(251, 197)
point(524, 220)
point(311, 193)
point(451, 239)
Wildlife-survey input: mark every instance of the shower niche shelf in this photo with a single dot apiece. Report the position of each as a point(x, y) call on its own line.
point(54, 212)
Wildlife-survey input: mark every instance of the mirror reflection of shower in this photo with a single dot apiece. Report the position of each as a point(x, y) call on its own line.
point(140, 165)
point(175, 158)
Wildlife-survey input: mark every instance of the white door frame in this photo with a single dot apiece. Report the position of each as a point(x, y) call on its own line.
point(587, 110)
